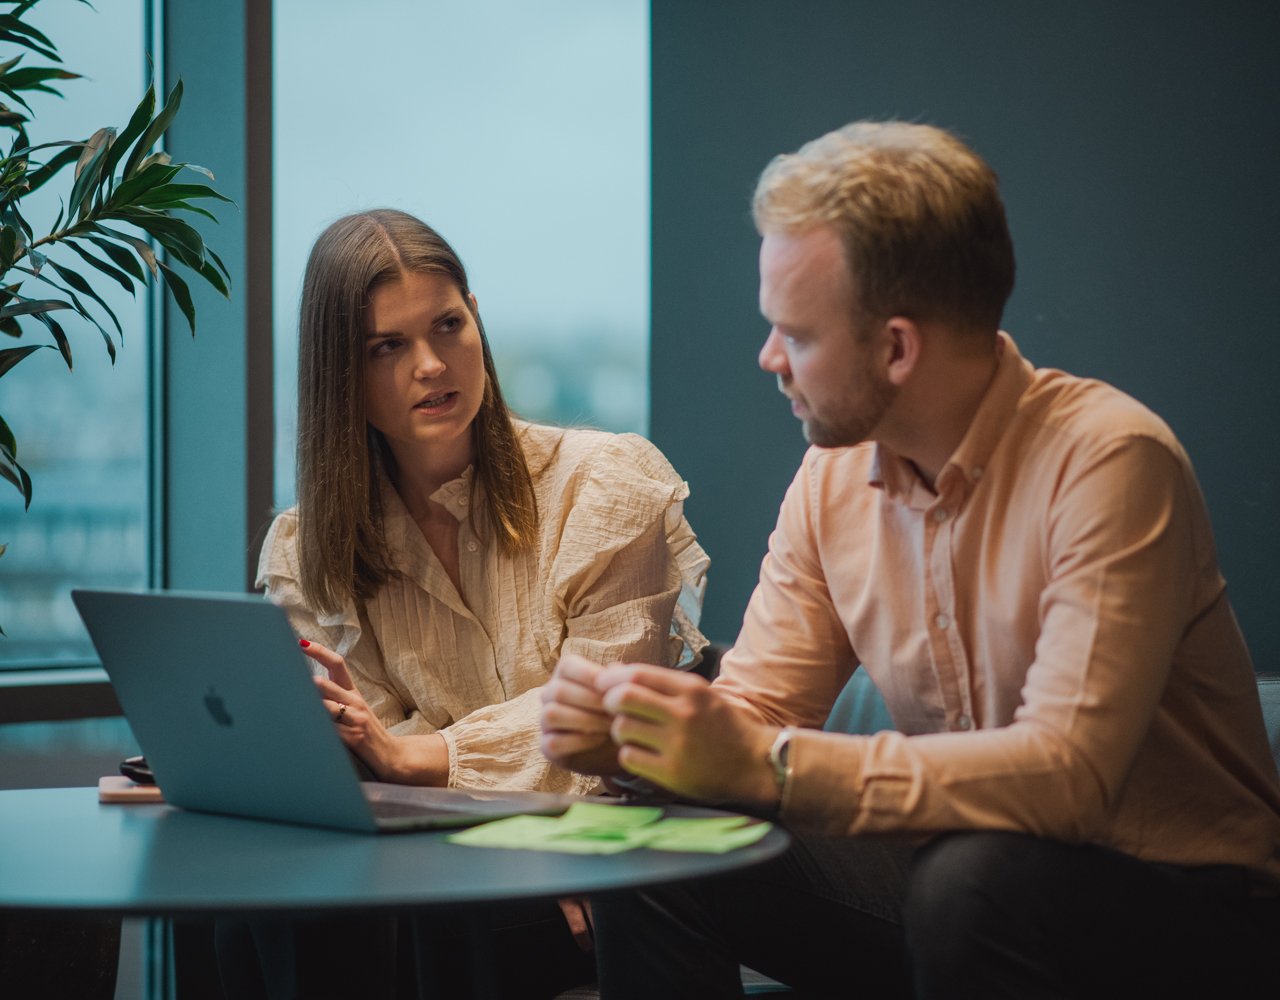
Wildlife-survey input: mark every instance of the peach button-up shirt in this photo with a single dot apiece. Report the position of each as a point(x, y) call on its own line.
point(616, 574)
point(1049, 630)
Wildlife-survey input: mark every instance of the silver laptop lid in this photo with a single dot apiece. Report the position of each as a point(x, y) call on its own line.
point(221, 701)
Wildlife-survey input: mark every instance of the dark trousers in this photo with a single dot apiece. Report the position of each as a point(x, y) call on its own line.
point(518, 951)
point(982, 915)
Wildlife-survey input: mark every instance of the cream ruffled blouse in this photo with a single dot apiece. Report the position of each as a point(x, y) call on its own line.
point(617, 575)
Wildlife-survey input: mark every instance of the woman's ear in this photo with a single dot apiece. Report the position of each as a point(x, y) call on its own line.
point(902, 345)
point(473, 304)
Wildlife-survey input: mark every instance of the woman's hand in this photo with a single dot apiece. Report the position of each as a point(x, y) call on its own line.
point(406, 760)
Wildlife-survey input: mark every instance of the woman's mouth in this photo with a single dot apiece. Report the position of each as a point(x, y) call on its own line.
point(438, 403)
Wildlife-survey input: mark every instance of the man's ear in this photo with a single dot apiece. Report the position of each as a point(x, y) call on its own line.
point(902, 345)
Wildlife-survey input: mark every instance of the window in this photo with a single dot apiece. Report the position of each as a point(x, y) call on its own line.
point(82, 434)
point(521, 132)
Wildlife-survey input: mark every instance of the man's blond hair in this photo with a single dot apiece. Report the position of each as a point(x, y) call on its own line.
point(919, 214)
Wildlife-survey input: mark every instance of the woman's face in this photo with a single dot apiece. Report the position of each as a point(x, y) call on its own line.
point(424, 369)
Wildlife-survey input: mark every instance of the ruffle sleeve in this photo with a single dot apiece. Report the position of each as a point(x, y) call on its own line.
point(626, 561)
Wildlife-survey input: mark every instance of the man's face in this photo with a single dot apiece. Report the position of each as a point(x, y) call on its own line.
point(824, 360)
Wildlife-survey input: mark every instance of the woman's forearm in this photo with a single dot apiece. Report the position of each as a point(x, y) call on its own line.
point(412, 760)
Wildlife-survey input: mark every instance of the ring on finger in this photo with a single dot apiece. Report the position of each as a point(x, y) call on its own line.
point(342, 710)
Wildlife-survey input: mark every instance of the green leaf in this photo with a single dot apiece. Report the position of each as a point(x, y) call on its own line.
point(173, 234)
point(181, 295)
point(34, 307)
point(182, 206)
point(127, 194)
point(121, 257)
point(8, 247)
point(221, 266)
point(155, 129)
point(116, 275)
point(10, 356)
point(11, 470)
point(201, 170)
point(59, 336)
point(14, 95)
point(84, 288)
point(211, 275)
point(25, 151)
point(137, 122)
point(28, 37)
point(142, 248)
point(10, 216)
point(89, 170)
point(34, 77)
point(7, 35)
point(7, 440)
point(181, 192)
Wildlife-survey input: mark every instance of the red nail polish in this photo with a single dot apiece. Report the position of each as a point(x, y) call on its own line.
point(303, 643)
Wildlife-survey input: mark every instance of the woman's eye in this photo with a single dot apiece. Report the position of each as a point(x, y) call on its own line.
point(450, 325)
point(383, 347)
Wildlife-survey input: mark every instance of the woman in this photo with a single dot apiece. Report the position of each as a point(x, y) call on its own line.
point(444, 554)
point(441, 557)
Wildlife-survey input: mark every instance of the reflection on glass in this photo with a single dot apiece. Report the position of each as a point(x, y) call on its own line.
point(81, 434)
point(520, 130)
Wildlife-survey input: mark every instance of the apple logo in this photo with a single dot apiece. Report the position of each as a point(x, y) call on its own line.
point(213, 702)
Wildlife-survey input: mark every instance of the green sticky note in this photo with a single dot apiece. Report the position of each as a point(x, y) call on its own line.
point(696, 825)
point(708, 841)
point(515, 831)
point(594, 828)
point(596, 816)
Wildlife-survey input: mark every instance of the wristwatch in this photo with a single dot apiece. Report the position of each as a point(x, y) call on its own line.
point(780, 761)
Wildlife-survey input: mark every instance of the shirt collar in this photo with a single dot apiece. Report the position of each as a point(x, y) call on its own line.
point(454, 496)
point(967, 464)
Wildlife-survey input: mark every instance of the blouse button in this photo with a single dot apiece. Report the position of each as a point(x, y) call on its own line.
point(462, 500)
point(472, 546)
point(964, 722)
point(942, 621)
point(940, 515)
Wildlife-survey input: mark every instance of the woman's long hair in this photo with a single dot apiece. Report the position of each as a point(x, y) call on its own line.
point(342, 550)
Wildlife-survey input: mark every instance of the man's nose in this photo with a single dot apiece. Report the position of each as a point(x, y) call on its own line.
point(773, 356)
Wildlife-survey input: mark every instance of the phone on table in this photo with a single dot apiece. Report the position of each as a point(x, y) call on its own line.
point(137, 769)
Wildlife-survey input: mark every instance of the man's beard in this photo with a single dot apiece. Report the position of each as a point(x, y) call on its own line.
point(867, 400)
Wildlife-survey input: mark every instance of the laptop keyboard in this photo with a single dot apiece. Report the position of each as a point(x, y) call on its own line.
point(390, 809)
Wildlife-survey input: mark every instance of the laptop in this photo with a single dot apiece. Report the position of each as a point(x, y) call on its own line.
point(221, 701)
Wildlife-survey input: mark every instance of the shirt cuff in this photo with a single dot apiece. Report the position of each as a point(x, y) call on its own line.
point(823, 792)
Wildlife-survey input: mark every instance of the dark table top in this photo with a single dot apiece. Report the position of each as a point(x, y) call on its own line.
point(60, 849)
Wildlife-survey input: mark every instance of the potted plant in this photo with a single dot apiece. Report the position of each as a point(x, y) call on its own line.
point(119, 217)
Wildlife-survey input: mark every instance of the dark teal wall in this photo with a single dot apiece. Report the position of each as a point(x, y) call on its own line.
point(1138, 145)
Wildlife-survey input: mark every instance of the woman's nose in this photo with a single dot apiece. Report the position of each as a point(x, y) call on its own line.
point(426, 363)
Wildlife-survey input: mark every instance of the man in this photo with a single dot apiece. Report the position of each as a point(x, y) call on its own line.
point(1079, 799)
